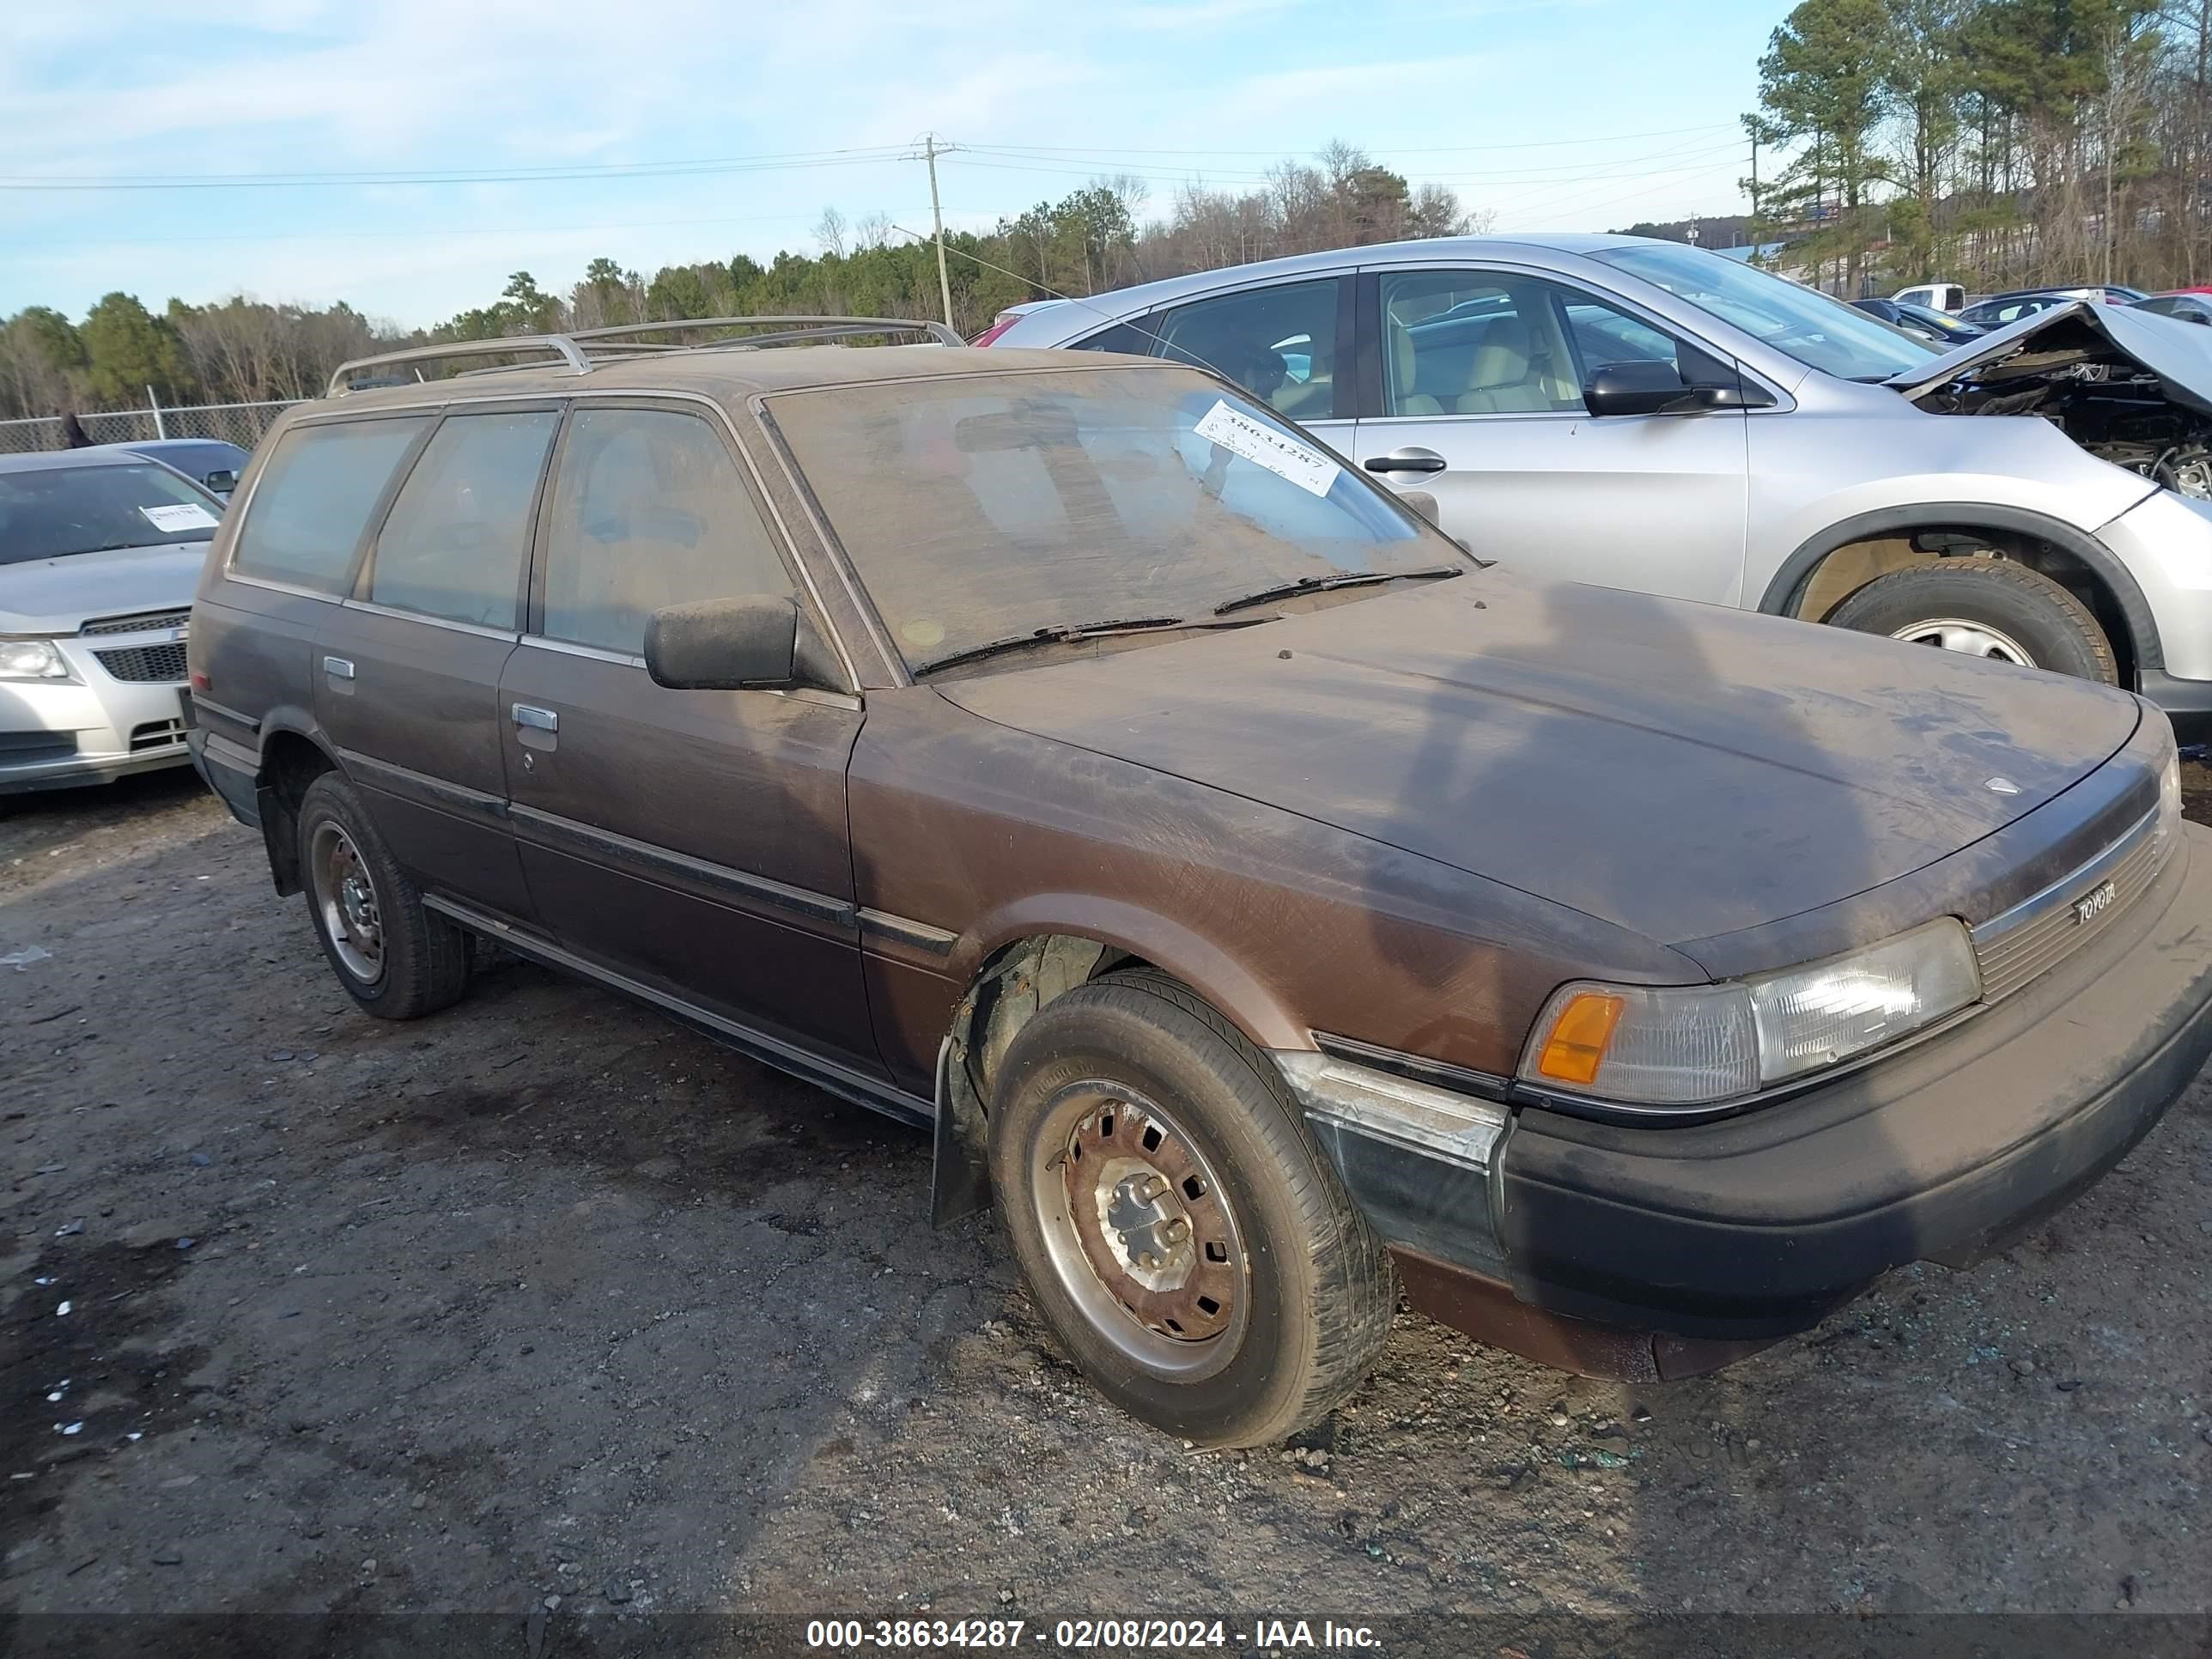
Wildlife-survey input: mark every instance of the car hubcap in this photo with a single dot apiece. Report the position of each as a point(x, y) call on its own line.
point(1973, 638)
point(1139, 1233)
point(346, 900)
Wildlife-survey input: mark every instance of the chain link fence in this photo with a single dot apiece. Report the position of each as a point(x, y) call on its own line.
point(237, 423)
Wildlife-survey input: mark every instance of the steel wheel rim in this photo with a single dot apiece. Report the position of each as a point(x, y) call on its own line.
point(1139, 1231)
point(1970, 639)
point(345, 898)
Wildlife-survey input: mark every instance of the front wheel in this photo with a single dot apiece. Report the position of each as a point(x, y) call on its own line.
point(1985, 608)
point(1183, 1235)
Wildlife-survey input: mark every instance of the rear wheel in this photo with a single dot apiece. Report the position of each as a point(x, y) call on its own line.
point(1183, 1235)
point(1987, 608)
point(398, 959)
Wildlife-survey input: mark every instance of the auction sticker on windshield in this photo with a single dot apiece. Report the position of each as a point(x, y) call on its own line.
point(1240, 434)
point(185, 515)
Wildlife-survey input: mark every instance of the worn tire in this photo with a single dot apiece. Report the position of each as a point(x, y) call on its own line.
point(425, 957)
point(2049, 626)
point(1320, 1287)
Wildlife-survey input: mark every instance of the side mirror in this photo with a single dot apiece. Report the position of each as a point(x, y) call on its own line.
point(758, 642)
point(1641, 387)
point(1648, 386)
point(221, 483)
point(1422, 503)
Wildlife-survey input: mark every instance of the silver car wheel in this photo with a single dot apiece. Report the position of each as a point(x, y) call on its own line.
point(1972, 638)
point(345, 899)
point(1139, 1232)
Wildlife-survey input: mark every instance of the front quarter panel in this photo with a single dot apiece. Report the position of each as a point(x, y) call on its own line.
point(981, 835)
point(1848, 452)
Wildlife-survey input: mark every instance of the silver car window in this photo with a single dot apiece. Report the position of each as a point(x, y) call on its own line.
point(1803, 322)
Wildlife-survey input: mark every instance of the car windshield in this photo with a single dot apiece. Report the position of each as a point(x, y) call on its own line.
point(981, 507)
point(1807, 324)
point(51, 513)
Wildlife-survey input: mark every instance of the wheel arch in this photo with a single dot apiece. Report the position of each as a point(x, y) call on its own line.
point(1019, 961)
point(293, 755)
point(1786, 591)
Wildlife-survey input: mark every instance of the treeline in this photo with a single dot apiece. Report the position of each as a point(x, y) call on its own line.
point(1999, 142)
point(1101, 237)
point(1093, 240)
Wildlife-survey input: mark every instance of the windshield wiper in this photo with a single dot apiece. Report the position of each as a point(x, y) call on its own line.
point(1324, 584)
point(1061, 633)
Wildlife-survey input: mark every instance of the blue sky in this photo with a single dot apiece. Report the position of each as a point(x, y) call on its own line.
point(1547, 113)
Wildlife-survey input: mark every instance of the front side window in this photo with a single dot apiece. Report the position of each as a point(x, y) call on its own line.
point(454, 545)
point(647, 510)
point(1473, 342)
point(1805, 323)
point(51, 513)
point(315, 498)
point(980, 507)
point(1279, 344)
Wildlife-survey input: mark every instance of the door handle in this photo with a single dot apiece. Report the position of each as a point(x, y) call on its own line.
point(1406, 460)
point(338, 668)
point(535, 719)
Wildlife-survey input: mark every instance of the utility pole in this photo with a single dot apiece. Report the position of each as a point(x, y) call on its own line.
point(931, 149)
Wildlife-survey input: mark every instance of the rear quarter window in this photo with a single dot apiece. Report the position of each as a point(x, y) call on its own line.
point(315, 498)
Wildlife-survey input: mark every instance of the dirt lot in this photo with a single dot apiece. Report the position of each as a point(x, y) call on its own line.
point(544, 1298)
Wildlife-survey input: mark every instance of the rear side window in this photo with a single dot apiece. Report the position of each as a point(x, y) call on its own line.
point(454, 545)
point(647, 510)
point(314, 501)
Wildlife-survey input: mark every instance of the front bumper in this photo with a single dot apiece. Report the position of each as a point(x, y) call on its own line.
point(1727, 1235)
point(1757, 1227)
point(93, 727)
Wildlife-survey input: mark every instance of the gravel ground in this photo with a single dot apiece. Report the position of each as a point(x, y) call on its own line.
point(546, 1298)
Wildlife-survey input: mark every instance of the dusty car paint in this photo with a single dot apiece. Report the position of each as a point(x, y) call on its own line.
point(1383, 828)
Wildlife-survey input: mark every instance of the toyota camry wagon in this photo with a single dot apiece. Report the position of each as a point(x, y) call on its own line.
point(1267, 904)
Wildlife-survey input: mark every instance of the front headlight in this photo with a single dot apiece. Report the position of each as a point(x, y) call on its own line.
point(1696, 1045)
point(31, 660)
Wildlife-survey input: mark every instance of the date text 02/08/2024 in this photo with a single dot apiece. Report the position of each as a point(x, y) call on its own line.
point(1078, 1635)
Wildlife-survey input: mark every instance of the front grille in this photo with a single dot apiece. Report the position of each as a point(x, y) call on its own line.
point(2037, 934)
point(142, 664)
point(146, 623)
point(156, 735)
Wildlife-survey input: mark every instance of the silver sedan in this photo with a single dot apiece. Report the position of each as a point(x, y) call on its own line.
point(99, 554)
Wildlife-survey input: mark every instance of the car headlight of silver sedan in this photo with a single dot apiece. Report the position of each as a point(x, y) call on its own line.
point(32, 659)
point(1699, 1045)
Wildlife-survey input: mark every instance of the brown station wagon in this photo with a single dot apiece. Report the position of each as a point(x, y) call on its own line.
point(1269, 902)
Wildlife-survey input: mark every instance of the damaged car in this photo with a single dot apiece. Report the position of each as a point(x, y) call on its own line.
point(1651, 415)
point(1265, 903)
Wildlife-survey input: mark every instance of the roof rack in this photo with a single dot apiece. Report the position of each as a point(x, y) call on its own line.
point(559, 345)
point(579, 349)
point(790, 328)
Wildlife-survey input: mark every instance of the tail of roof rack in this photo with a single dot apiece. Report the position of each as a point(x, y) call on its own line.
point(578, 349)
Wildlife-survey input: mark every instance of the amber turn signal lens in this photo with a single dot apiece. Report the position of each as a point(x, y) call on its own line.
point(1571, 1054)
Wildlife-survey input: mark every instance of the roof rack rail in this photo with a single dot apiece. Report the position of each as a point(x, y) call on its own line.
point(572, 348)
point(788, 329)
point(558, 345)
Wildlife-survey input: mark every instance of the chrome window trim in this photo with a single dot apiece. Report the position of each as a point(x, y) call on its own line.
point(370, 607)
point(570, 648)
point(328, 595)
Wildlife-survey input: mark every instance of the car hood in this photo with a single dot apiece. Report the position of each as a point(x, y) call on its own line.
point(2177, 354)
point(1679, 769)
point(57, 596)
